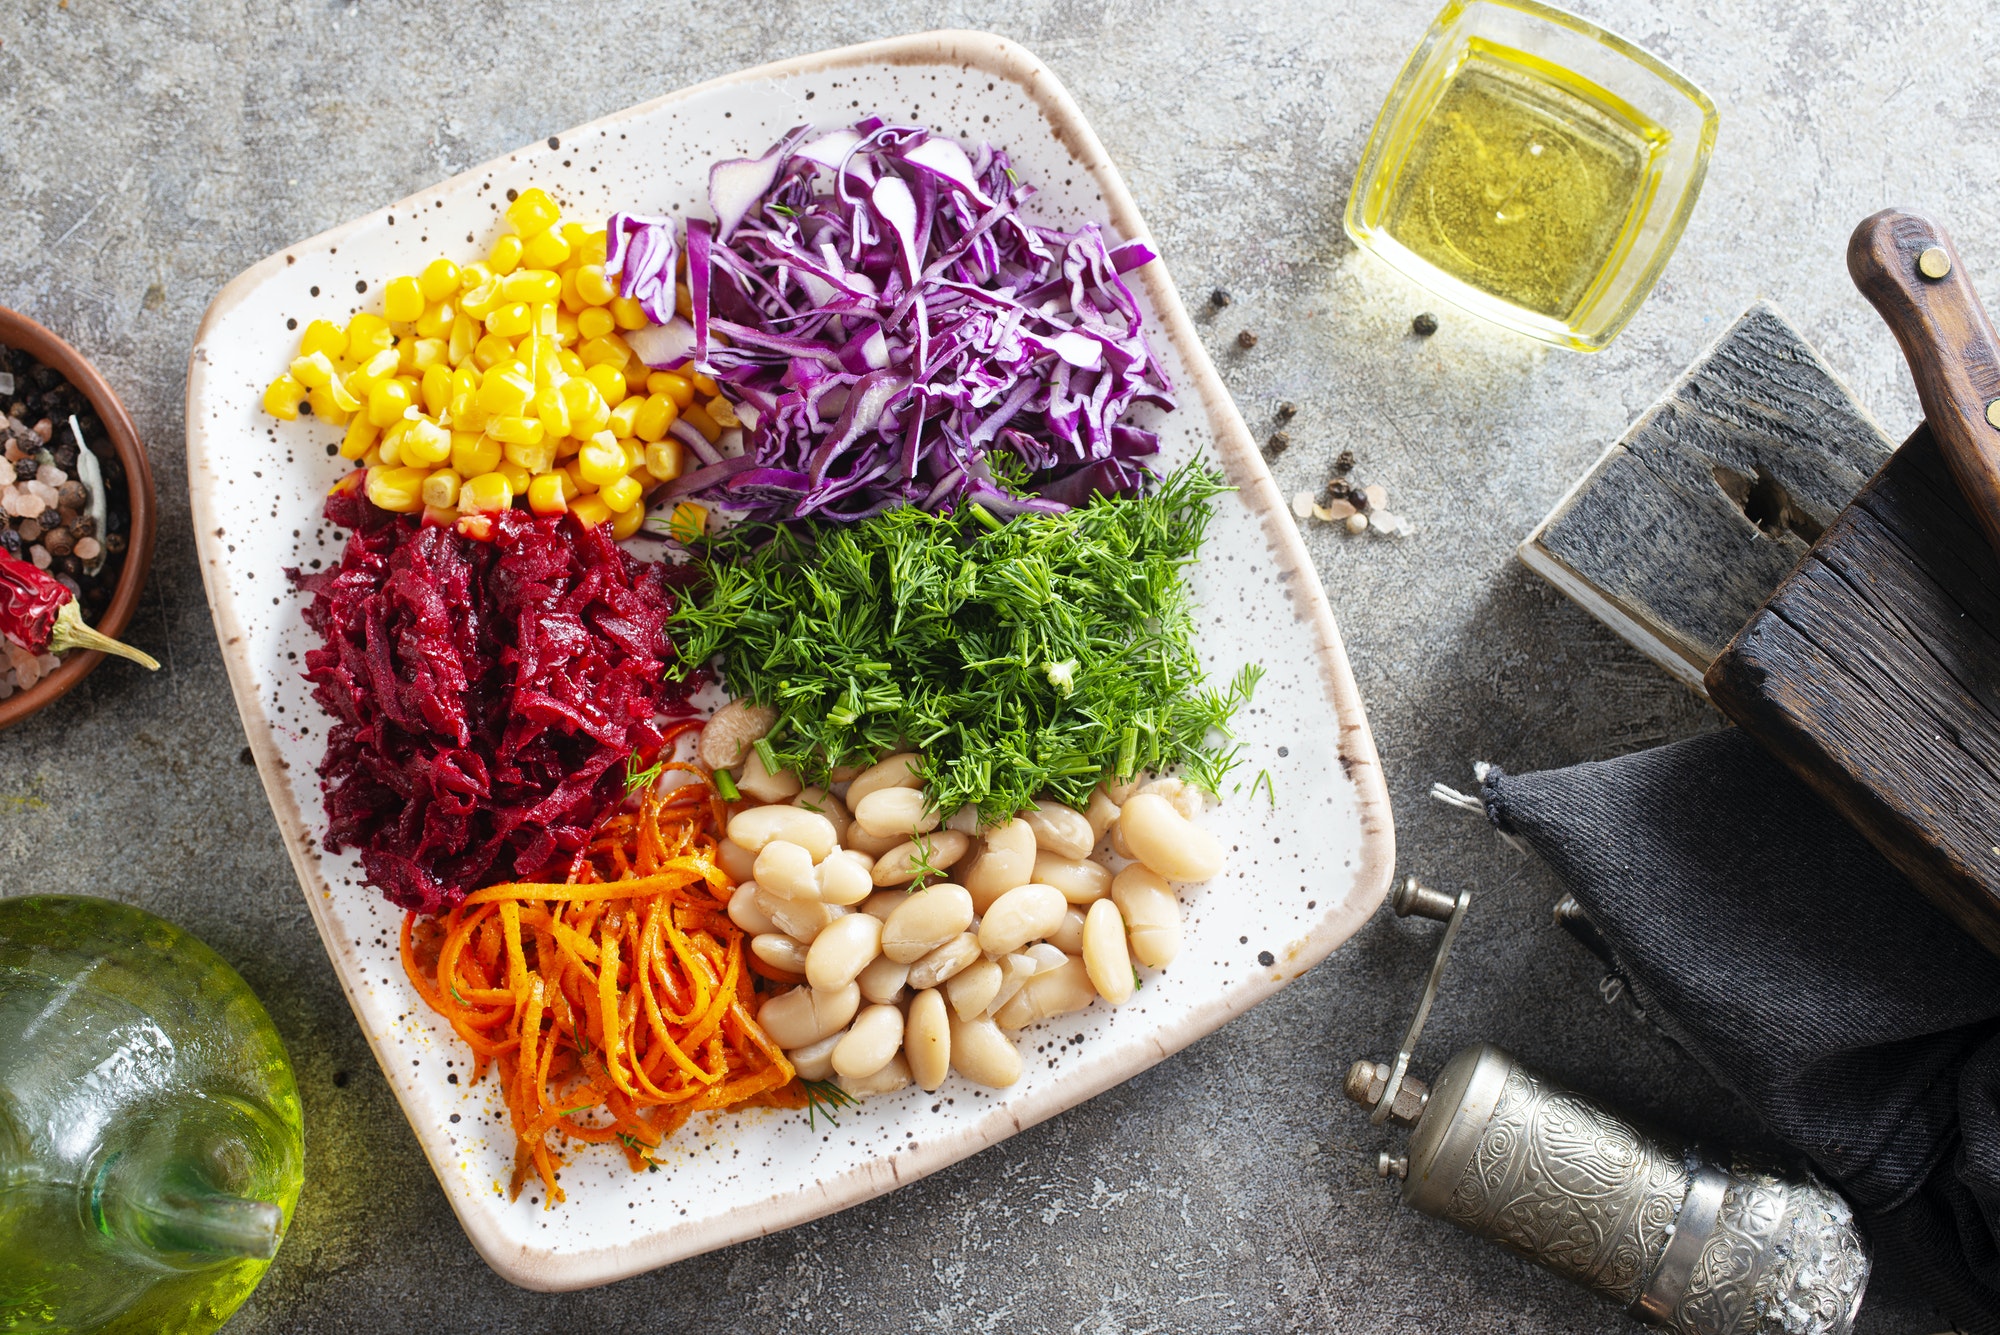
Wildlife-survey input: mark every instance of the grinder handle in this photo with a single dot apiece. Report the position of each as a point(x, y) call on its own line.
point(1948, 342)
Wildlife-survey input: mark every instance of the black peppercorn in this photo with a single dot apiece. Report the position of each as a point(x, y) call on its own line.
point(1343, 462)
point(10, 542)
point(1424, 325)
point(1246, 339)
point(1219, 298)
point(1279, 442)
point(1287, 411)
point(49, 519)
point(70, 566)
point(115, 543)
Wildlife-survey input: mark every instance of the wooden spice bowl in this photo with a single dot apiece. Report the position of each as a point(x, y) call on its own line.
point(25, 335)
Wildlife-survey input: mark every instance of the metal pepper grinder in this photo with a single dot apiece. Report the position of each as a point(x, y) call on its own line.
point(1683, 1240)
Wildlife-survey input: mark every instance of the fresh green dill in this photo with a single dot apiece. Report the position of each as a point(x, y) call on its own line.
point(636, 778)
point(725, 786)
point(1027, 659)
point(823, 1097)
point(925, 869)
point(1265, 782)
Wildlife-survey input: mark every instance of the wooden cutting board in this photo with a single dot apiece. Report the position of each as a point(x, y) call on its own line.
point(1874, 669)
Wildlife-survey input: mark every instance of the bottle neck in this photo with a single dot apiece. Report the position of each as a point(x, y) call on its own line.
point(193, 1228)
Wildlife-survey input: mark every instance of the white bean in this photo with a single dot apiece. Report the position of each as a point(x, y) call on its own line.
point(821, 802)
point(754, 828)
point(873, 1038)
point(874, 846)
point(1059, 829)
point(803, 1015)
point(1080, 880)
point(1121, 790)
point(814, 1061)
point(984, 1055)
point(1105, 956)
point(945, 961)
point(801, 918)
point(779, 951)
point(760, 783)
point(1068, 938)
point(898, 866)
point(972, 990)
point(897, 771)
point(845, 877)
point(731, 730)
point(884, 902)
point(1045, 956)
point(1167, 841)
point(1057, 992)
point(903, 811)
point(736, 861)
point(743, 910)
point(786, 869)
point(1025, 913)
point(927, 1040)
point(1152, 915)
point(965, 820)
point(892, 1077)
point(842, 950)
point(1015, 971)
point(1006, 860)
point(882, 981)
point(1117, 841)
point(1181, 795)
point(926, 920)
point(1100, 813)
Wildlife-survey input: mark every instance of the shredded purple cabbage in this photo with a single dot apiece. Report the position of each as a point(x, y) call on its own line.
point(902, 335)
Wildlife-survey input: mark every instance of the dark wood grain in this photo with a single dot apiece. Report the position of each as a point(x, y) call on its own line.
point(1663, 538)
point(1874, 673)
point(1948, 342)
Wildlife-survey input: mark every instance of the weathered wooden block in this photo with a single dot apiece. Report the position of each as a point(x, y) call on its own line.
point(1874, 673)
point(1682, 529)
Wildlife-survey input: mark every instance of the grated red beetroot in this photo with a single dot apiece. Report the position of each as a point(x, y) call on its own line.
point(486, 695)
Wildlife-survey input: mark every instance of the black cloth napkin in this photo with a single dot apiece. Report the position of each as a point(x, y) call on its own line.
point(1787, 956)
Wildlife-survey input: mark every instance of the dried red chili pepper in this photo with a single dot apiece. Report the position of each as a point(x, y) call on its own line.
point(38, 613)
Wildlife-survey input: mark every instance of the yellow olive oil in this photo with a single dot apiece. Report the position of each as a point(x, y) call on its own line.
point(1524, 180)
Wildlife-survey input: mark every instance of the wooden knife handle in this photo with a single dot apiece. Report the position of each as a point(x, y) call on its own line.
point(1948, 341)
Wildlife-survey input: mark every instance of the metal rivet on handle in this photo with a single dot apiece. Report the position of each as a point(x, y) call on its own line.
point(1934, 263)
point(1993, 416)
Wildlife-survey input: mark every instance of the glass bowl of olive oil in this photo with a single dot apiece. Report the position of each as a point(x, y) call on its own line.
point(1534, 169)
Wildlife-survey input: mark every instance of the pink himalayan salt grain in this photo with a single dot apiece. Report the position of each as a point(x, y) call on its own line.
point(51, 476)
point(6, 473)
point(40, 556)
point(43, 492)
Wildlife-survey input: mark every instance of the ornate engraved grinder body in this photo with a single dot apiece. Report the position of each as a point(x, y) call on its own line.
point(1679, 1239)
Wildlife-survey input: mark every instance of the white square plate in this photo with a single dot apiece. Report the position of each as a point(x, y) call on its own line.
point(1303, 874)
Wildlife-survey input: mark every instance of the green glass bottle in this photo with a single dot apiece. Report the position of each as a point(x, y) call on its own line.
point(151, 1145)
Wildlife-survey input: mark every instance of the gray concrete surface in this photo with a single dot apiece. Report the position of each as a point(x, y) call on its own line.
point(150, 151)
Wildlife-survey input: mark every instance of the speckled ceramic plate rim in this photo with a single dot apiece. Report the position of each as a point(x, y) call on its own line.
point(1236, 451)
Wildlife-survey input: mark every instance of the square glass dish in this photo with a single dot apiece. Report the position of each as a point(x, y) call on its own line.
point(1533, 169)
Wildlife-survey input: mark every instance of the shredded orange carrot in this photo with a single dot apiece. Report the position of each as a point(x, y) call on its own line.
point(617, 1005)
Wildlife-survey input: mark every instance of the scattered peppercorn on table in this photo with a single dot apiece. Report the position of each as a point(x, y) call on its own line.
point(504, 382)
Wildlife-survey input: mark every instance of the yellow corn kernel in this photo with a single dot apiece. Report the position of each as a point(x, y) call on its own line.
point(547, 250)
point(621, 495)
point(545, 495)
point(565, 327)
point(697, 417)
point(372, 459)
point(548, 318)
point(570, 300)
point(570, 362)
point(506, 392)
point(440, 490)
point(390, 447)
point(388, 401)
point(380, 366)
point(478, 302)
point(684, 302)
point(439, 279)
point(587, 410)
point(594, 285)
point(406, 354)
point(626, 311)
point(590, 510)
point(620, 424)
point(705, 385)
point(533, 212)
point(532, 459)
point(323, 336)
point(688, 521)
point(325, 409)
point(625, 523)
point(545, 357)
point(635, 454)
point(403, 300)
point(474, 452)
point(465, 381)
point(491, 351)
point(516, 430)
point(341, 396)
point(425, 443)
point(594, 246)
point(360, 438)
point(427, 353)
point(724, 413)
point(465, 335)
point(367, 335)
point(396, 489)
point(437, 320)
point(601, 461)
point(488, 493)
point(672, 384)
point(594, 322)
point(609, 350)
point(549, 406)
point(473, 275)
point(571, 488)
point(663, 460)
point(436, 516)
point(610, 382)
point(655, 415)
point(517, 477)
point(437, 390)
point(533, 286)
point(505, 255)
point(312, 370)
point(511, 320)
